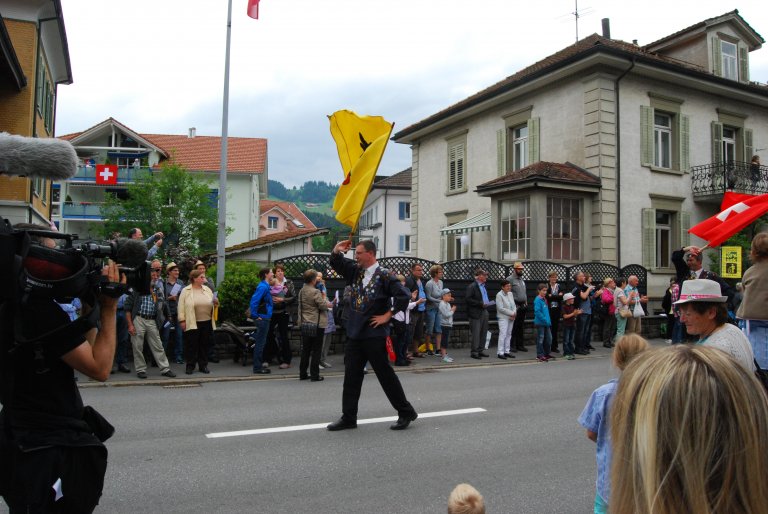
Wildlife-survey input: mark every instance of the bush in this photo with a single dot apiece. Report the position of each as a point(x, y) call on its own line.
point(241, 279)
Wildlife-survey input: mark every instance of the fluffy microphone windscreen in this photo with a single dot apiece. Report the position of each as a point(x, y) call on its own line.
point(49, 158)
point(131, 252)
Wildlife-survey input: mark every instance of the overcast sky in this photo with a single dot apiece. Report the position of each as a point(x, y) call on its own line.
point(158, 65)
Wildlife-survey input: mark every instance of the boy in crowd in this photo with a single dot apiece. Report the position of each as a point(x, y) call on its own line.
point(445, 312)
point(570, 313)
point(542, 323)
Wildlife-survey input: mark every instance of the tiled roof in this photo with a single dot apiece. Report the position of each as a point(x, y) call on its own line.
point(201, 153)
point(543, 171)
point(579, 50)
point(291, 209)
point(702, 24)
point(273, 239)
point(400, 180)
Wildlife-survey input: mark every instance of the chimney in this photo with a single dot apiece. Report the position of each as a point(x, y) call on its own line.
point(606, 28)
point(634, 42)
point(192, 132)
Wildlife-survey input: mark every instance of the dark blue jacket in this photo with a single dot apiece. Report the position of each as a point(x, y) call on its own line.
point(261, 302)
point(384, 293)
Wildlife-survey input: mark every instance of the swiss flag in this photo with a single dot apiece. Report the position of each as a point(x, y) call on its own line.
point(106, 174)
point(719, 228)
point(730, 198)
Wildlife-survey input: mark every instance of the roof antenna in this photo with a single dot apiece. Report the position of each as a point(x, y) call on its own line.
point(576, 19)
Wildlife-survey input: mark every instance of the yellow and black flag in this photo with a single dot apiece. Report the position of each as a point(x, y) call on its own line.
point(360, 141)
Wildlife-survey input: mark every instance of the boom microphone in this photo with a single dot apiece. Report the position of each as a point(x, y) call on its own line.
point(130, 252)
point(49, 158)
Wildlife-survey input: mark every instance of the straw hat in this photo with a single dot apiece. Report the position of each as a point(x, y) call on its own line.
point(701, 290)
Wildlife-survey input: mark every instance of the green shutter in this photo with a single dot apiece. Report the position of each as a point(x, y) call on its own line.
point(649, 238)
point(717, 57)
point(533, 141)
point(685, 143)
point(646, 135)
point(748, 148)
point(717, 142)
point(500, 152)
point(460, 167)
point(743, 63)
point(685, 224)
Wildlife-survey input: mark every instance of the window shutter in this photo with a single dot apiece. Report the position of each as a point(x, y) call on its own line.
point(460, 179)
point(717, 57)
point(743, 63)
point(649, 238)
point(501, 159)
point(452, 167)
point(748, 148)
point(717, 142)
point(646, 135)
point(685, 224)
point(685, 143)
point(533, 140)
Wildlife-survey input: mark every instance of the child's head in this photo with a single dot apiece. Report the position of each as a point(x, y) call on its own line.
point(568, 298)
point(465, 499)
point(541, 289)
point(447, 296)
point(401, 279)
point(627, 349)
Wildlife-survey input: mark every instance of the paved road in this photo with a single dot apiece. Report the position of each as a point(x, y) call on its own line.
point(525, 453)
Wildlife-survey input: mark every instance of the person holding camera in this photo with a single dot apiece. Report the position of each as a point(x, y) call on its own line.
point(52, 456)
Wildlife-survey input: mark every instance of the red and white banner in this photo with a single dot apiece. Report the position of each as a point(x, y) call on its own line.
point(730, 198)
point(253, 9)
point(106, 174)
point(719, 228)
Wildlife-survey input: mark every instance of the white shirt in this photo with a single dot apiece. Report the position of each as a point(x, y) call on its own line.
point(369, 273)
point(731, 340)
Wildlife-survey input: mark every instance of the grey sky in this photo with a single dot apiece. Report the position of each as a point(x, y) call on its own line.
point(158, 66)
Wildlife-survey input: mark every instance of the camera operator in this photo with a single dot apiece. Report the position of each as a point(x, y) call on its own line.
point(52, 456)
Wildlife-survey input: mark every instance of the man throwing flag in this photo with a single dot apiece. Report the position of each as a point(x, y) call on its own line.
point(375, 294)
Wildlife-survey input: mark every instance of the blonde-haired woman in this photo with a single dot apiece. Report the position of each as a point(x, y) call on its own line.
point(688, 426)
point(313, 318)
point(196, 304)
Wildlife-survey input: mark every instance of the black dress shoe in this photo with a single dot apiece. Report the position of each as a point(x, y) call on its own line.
point(403, 421)
point(590, 347)
point(522, 349)
point(303, 377)
point(122, 368)
point(205, 370)
point(502, 356)
point(475, 356)
point(607, 345)
point(317, 379)
point(189, 371)
point(262, 371)
point(484, 354)
point(509, 356)
point(341, 424)
point(213, 359)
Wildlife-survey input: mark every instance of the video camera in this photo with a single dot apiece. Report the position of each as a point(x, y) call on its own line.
point(46, 263)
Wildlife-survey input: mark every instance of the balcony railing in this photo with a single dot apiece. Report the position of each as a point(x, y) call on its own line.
point(710, 181)
point(81, 210)
point(124, 174)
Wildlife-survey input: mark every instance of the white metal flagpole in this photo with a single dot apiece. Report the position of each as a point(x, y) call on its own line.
point(221, 242)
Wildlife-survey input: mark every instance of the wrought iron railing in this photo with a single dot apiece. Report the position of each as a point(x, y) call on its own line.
point(81, 210)
point(124, 174)
point(716, 178)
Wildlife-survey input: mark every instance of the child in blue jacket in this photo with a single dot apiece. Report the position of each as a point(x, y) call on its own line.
point(542, 322)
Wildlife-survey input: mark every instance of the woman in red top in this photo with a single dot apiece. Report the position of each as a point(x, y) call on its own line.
point(609, 327)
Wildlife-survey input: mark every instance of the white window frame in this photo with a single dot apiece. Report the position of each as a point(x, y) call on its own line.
point(404, 243)
point(562, 221)
point(664, 239)
point(729, 55)
point(272, 222)
point(518, 212)
point(404, 211)
point(662, 140)
point(729, 143)
point(519, 146)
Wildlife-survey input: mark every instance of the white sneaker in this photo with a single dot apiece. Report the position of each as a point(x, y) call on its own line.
point(447, 359)
point(668, 341)
point(264, 364)
point(325, 365)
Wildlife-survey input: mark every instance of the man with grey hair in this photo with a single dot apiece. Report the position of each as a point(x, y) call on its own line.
point(633, 296)
point(477, 304)
point(521, 303)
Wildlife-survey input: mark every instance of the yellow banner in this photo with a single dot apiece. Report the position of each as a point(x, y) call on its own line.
point(730, 261)
point(360, 141)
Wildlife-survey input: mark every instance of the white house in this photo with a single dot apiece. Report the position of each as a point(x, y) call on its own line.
point(78, 203)
point(386, 217)
point(604, 151)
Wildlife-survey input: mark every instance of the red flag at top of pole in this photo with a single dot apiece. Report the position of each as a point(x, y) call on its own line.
point(253, 9)
point(731, 198)
point(719, 228)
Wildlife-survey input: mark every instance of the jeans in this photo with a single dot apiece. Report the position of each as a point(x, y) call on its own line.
point(621, 325)
point(123, 337)
point(178, 344)
point(543, 340)
point(582, 339)
point(757, 333)
point(259, 340)
point(568, 333)
point(432, 321)
point(677, 331)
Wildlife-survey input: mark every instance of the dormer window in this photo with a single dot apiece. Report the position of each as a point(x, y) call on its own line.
point(729, 60)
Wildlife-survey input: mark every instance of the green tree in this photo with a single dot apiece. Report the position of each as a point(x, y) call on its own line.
point(172, 201)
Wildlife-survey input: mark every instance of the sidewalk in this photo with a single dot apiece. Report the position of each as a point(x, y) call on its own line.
point(229, 371)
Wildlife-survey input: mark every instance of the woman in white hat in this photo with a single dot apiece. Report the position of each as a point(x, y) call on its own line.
point(704, 312)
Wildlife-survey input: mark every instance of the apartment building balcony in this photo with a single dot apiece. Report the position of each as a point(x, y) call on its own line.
point(710, 181)
point(81, 211)
point(125, 174)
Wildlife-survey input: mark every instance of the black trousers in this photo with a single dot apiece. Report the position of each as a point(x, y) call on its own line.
point(310, 347)
point(282, 346)
point(517, 330)
point(196, 344)
point(356, 353)
point(554, 316)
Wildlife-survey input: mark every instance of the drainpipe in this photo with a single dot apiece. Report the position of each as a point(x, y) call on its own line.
point(384, 251)
point(618, 163)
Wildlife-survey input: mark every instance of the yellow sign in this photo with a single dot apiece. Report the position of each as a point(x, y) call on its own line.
point(730, 261)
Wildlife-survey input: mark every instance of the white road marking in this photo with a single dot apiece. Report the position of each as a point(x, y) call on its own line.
point(317, 426)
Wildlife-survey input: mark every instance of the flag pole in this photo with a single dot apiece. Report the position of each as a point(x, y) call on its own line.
point(221, 240)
